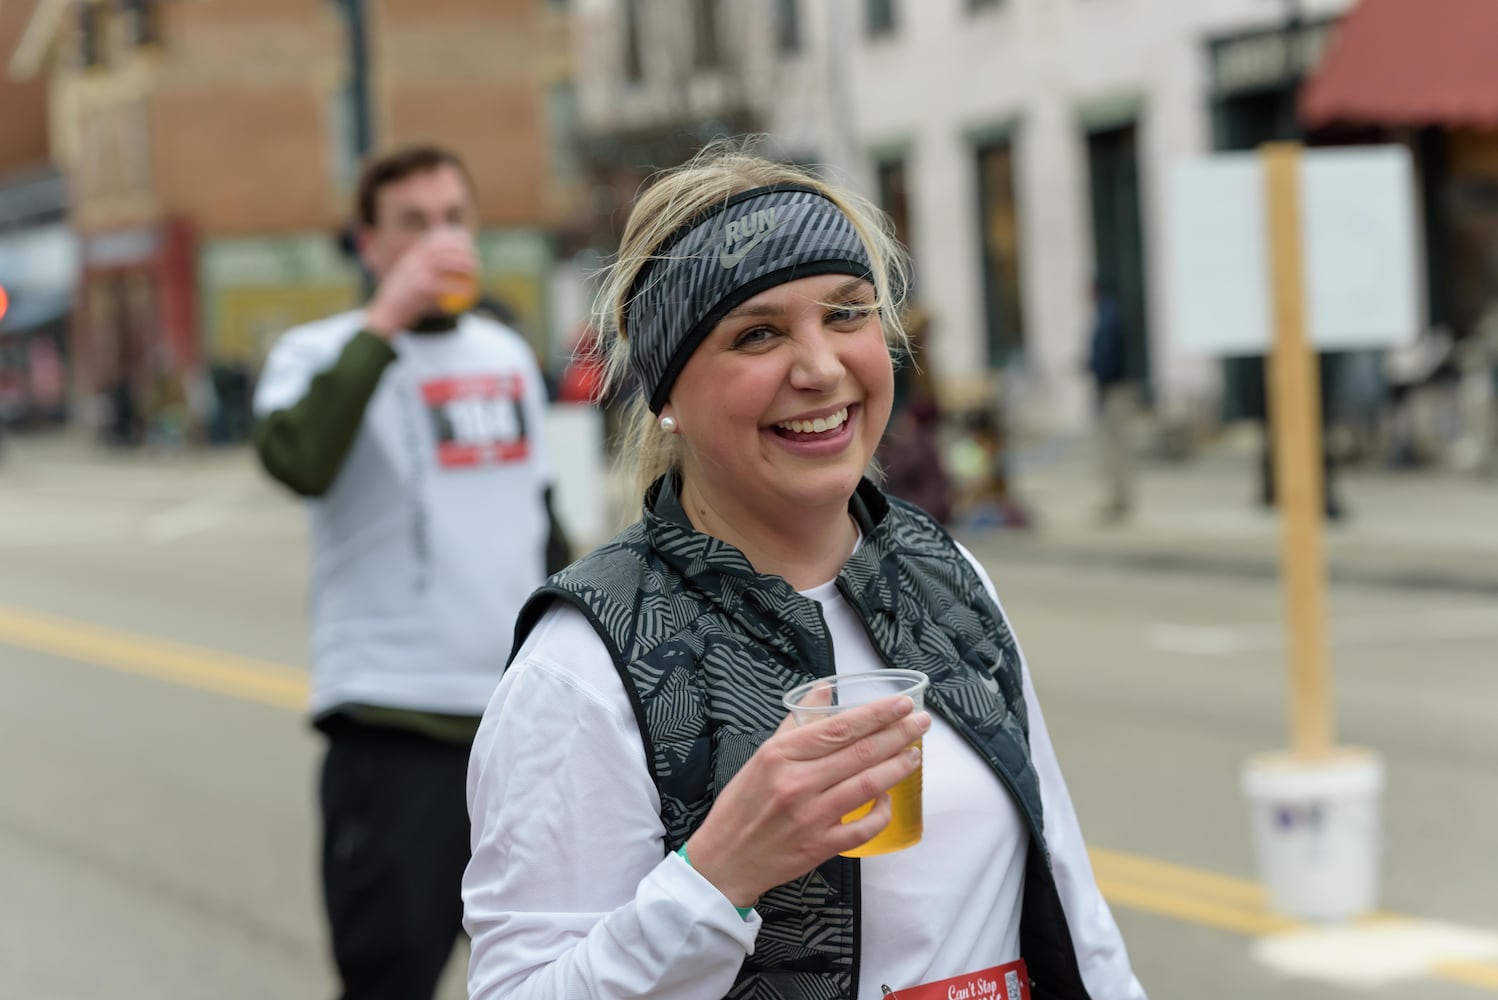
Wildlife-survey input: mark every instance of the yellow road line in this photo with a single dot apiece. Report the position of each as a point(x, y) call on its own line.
point(1198, 910)
point(1206, 899)
point(1198, 897)
point(1114, 866)
point(1203, 898)
point(173, 662)
point(1480, 974)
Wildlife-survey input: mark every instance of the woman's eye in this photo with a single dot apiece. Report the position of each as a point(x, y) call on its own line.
point(753, 336)
point(844, 315)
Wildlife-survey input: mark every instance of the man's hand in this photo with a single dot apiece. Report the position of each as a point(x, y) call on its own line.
point(409, 291)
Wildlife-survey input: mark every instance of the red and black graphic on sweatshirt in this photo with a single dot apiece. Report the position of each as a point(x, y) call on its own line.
point(478, 419)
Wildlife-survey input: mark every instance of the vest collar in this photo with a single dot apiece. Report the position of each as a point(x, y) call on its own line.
point(721, 574)
point(692, 551)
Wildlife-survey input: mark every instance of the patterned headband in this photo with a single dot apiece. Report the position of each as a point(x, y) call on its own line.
point(725, 256)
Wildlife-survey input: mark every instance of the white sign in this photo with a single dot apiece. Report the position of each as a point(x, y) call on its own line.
point(1362, 258)
point(42, 260)
point(575, 446)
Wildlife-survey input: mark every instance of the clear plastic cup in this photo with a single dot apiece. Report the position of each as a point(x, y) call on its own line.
point(830, 695)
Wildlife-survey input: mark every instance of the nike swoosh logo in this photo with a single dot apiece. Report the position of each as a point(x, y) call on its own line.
point(990, 683)
point(727, 259)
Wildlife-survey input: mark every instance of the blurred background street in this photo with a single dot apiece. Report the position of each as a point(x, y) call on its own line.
point(156, 835)
point(176, 179)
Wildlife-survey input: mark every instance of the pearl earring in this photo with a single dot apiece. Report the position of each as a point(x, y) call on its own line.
point(668, 424)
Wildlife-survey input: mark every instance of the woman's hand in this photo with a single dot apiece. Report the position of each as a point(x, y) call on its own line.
point(781, 815)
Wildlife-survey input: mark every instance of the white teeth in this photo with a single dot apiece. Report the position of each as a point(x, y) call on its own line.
point(818, 426)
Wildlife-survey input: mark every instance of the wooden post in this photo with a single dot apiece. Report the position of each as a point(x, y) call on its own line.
point(1295, 418)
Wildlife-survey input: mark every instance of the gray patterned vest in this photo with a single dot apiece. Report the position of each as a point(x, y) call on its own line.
point(705, 646)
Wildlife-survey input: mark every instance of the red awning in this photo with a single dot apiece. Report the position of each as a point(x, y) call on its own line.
point(1409, 62)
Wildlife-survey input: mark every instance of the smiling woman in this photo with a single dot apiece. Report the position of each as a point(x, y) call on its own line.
point(722, 230)
point(647, 822)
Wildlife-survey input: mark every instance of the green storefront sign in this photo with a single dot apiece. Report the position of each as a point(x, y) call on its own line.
point(254, 288)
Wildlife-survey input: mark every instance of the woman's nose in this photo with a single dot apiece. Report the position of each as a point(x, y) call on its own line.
point(818, 366)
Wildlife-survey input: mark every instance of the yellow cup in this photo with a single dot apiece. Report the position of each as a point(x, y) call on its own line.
point(831, 695)
point(459, 293)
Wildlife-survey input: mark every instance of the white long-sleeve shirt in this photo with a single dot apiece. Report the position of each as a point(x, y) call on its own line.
point(570, 894)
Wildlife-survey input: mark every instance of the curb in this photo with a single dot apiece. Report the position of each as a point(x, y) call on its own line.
point(1390, 577)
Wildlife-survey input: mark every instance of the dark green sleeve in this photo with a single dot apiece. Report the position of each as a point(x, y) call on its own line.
point(304, 445)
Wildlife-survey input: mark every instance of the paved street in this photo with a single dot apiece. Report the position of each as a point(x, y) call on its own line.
point(157, 835)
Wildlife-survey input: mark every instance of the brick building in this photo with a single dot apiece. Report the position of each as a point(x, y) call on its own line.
point(37, 252)
point(23, 103)
point(210, 147)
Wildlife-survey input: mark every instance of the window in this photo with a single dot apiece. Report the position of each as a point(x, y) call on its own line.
point(143, 25)
point(562, 123)
point(879, 16)
point(788, 26)
point(92, 22)
point(705, 49)
point(634, 67)
point(894, 198)
point(998, 218)
point(342, 155)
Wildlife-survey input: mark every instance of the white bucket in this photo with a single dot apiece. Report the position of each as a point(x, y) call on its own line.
point(1316, 831)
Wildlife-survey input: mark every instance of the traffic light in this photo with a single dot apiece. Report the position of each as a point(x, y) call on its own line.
point(4, 301)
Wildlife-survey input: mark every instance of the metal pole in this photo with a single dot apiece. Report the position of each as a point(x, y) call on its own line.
point(358, 83)
point(1289, 126)
point(356, 25)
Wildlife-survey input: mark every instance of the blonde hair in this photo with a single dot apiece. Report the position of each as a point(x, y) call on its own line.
point(672, 199)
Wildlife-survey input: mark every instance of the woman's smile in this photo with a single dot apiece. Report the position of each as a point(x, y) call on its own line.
point(813, 436)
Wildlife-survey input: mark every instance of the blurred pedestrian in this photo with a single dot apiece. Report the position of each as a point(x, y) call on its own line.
point(647, 821)
point(414, 431)
point(1257, 389)
point(1485, 357)
point(583, 381)
point(983, 457)
point(1117, 403)
point(124, 428)
point(910, 456)
point(582, 376)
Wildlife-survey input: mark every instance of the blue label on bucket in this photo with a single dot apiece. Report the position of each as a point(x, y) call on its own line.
point(1298, 816)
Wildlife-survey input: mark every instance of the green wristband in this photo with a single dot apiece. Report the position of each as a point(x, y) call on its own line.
point(744, 911)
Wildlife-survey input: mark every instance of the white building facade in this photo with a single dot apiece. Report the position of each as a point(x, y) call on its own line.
point(1022, 147)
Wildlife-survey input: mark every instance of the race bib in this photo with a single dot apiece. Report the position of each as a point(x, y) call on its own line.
point(1002, 982)
point(477, 419)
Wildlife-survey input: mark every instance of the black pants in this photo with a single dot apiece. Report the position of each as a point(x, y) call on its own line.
point(395, 843)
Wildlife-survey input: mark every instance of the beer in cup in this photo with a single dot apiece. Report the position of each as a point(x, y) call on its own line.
point(829, 695)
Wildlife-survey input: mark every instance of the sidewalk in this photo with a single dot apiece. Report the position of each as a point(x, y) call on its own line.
point(1427, 529)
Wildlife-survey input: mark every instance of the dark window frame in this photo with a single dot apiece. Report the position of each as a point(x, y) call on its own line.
point(707, 36)
point(787, 27)
point(880, 18)
point(145, 21)
point(634, 60)
point(93, 35)
point(1002, 267)
point(892, 183)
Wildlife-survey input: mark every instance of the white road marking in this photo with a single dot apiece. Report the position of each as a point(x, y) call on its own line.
point(177, 523)
point(1364, 630)
point(33, 536)
point(1374, 952)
